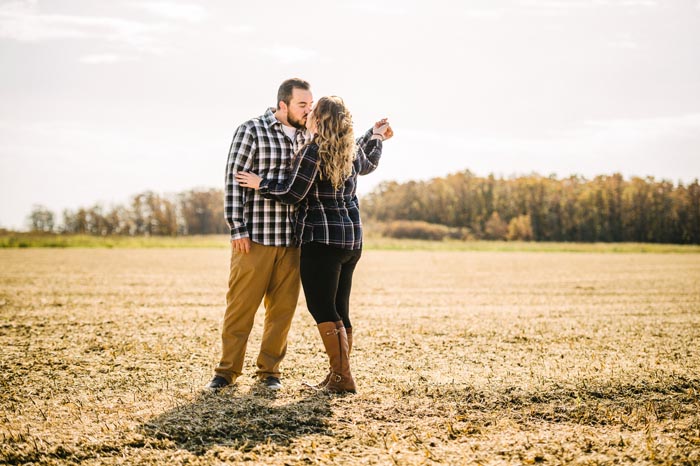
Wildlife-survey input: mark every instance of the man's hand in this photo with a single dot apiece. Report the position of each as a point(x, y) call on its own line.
point(389, 133)
point(241, 246)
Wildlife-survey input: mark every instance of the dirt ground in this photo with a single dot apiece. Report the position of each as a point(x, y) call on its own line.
point(459, 357)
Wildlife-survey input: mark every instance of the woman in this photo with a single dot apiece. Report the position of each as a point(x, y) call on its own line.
point(327, 223)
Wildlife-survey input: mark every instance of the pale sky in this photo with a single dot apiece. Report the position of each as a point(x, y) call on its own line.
point(105, 99)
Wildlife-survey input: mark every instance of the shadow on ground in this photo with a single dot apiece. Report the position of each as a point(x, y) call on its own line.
point(241, 421)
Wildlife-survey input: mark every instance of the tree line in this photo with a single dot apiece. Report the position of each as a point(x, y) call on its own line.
point(461, 205)
point(605, 208)
point(194, 212)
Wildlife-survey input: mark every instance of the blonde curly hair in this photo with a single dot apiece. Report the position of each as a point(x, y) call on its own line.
point(335, 139)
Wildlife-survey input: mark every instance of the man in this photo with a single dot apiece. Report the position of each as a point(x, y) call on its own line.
point(264, 256)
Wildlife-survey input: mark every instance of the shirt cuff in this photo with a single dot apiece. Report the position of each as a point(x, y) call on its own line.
point(264, 187)
point(239, 233)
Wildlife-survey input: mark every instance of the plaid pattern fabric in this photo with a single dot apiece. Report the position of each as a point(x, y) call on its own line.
point(260, 146)
point(325, 215)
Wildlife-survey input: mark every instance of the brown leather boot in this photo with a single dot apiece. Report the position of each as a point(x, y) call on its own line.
point(324, 382)
point(336, 343)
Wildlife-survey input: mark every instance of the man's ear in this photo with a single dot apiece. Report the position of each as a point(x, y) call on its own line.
point(282, 106)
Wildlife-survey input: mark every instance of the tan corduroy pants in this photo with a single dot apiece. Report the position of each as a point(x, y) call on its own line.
point(267, 272)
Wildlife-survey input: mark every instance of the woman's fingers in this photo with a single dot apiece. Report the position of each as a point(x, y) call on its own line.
point(248, 180)
point(243, 178)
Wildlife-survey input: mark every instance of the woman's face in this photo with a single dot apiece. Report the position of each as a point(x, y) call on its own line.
point(311, 122)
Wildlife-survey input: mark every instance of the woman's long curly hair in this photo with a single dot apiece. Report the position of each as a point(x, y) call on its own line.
point(335, 139)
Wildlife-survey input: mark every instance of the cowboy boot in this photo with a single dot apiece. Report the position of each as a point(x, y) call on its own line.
point(336, 343)
point(324, 382)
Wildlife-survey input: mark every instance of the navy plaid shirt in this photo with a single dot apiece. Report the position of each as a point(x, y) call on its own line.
point(325, 214)
point(259, 146)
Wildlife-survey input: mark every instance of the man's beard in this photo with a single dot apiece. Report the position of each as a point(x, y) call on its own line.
point(295, 123)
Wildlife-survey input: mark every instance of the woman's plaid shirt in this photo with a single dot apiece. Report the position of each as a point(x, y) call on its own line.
point(325, 214)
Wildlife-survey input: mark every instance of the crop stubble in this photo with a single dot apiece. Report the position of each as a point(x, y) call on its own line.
point(460, 358)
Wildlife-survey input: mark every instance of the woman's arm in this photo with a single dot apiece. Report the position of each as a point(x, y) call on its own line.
point(370, 150)
point(293, 189)
point(366, 162)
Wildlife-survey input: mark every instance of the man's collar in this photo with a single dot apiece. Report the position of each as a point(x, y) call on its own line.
point(269, 118)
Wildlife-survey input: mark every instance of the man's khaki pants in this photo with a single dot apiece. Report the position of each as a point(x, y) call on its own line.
point(266, 271)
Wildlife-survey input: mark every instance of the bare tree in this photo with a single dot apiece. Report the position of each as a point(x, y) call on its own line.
point(41, 219)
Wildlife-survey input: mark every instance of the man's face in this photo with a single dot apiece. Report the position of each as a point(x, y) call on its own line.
point(299, 108)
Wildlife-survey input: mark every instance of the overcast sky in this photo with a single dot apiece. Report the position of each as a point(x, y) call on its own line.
point(105, 99)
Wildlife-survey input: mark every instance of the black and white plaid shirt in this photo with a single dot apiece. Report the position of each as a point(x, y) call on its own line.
point(325, 214)
point(260, 146)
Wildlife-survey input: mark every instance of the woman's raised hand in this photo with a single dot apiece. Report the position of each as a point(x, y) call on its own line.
point(383, 128)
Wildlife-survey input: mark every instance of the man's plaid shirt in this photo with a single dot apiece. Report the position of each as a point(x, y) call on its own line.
point(325, 214)
point(261, 146)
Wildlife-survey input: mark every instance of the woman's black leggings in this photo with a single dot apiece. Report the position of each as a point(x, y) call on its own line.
point(326, 275)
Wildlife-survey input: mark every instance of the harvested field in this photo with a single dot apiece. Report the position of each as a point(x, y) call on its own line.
point(460, 358)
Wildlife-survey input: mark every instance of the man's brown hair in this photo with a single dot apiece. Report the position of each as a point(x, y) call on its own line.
point(284, 94)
